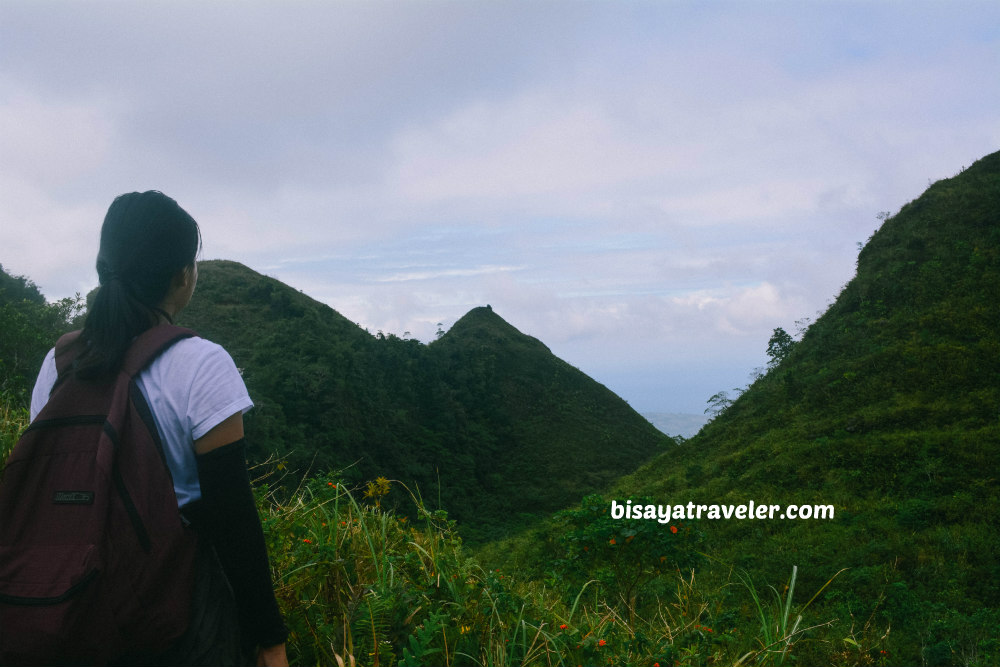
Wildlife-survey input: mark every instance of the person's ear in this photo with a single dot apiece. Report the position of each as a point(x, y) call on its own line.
point(183, 278)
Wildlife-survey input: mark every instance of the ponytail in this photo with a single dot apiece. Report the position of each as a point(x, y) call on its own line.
point(146, 239)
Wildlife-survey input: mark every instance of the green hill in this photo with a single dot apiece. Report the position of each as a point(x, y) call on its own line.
point(539, 431)
point(889, 410)
point(486, 421)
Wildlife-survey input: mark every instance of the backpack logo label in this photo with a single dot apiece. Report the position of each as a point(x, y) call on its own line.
point(73, 498)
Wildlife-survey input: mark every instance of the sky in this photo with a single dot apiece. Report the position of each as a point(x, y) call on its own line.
point(649, 188)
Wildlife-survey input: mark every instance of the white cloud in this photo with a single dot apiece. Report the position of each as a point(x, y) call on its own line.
point(625, 182)
point(53, 141)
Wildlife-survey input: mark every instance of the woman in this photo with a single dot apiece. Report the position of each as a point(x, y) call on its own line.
point(147, 272)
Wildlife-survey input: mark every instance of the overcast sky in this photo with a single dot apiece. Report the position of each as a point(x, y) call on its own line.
point(650, 188)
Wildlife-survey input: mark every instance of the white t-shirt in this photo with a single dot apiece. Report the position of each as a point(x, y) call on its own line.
point(191, 388)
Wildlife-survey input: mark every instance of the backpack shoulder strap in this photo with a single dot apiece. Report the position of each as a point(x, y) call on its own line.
point(151, 344)
point(65, 353)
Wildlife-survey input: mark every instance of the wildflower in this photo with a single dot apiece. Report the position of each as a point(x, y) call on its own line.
point(563, 626)
point(629, 539)
point(307, 541)
point(612, 541)
point(673, 529)
point(602, 643)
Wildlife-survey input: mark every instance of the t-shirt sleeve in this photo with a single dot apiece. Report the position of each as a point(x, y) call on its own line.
point(217, 392)
point(43, 385)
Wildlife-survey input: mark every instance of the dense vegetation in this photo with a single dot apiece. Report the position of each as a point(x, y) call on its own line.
point(485, 420)
point(29, 327)
point(887, 408)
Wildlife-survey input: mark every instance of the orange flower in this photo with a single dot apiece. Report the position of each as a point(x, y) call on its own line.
point(307, 541)
point(612, 541)
point(563, 626)
point(602, 643)
point(673, 529)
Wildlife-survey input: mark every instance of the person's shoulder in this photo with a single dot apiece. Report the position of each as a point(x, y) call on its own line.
point(196, 352)
point(197, 346)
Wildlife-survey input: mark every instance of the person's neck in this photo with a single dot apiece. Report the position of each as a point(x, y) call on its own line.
point(165, 314)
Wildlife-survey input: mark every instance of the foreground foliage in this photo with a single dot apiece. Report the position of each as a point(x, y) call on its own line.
point(360, 585)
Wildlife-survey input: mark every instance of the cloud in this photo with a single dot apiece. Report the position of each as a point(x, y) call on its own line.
point(422, 274)
point(639, 185)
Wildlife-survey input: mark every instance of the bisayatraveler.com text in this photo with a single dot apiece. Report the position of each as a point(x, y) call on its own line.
point(692, 511)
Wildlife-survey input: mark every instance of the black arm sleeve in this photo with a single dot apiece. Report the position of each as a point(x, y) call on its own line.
point(227, 517)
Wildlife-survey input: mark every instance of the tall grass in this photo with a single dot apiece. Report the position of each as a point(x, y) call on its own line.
point(361, 585)
point(13, 420)
point(778, 633)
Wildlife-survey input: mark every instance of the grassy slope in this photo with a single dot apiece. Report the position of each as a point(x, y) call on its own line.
point(889, 409)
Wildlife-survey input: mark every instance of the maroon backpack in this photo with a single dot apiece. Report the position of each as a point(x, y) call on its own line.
point(96, 562)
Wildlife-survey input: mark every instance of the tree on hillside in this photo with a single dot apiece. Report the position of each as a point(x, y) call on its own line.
point(30, 327)
point(718, 403)
point(15, 289)
point(778, 347)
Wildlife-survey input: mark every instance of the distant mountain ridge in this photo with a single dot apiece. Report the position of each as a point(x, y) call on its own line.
point(485, 419)
point(683, 424)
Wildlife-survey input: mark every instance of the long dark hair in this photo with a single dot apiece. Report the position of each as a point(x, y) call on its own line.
point(145, 240)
